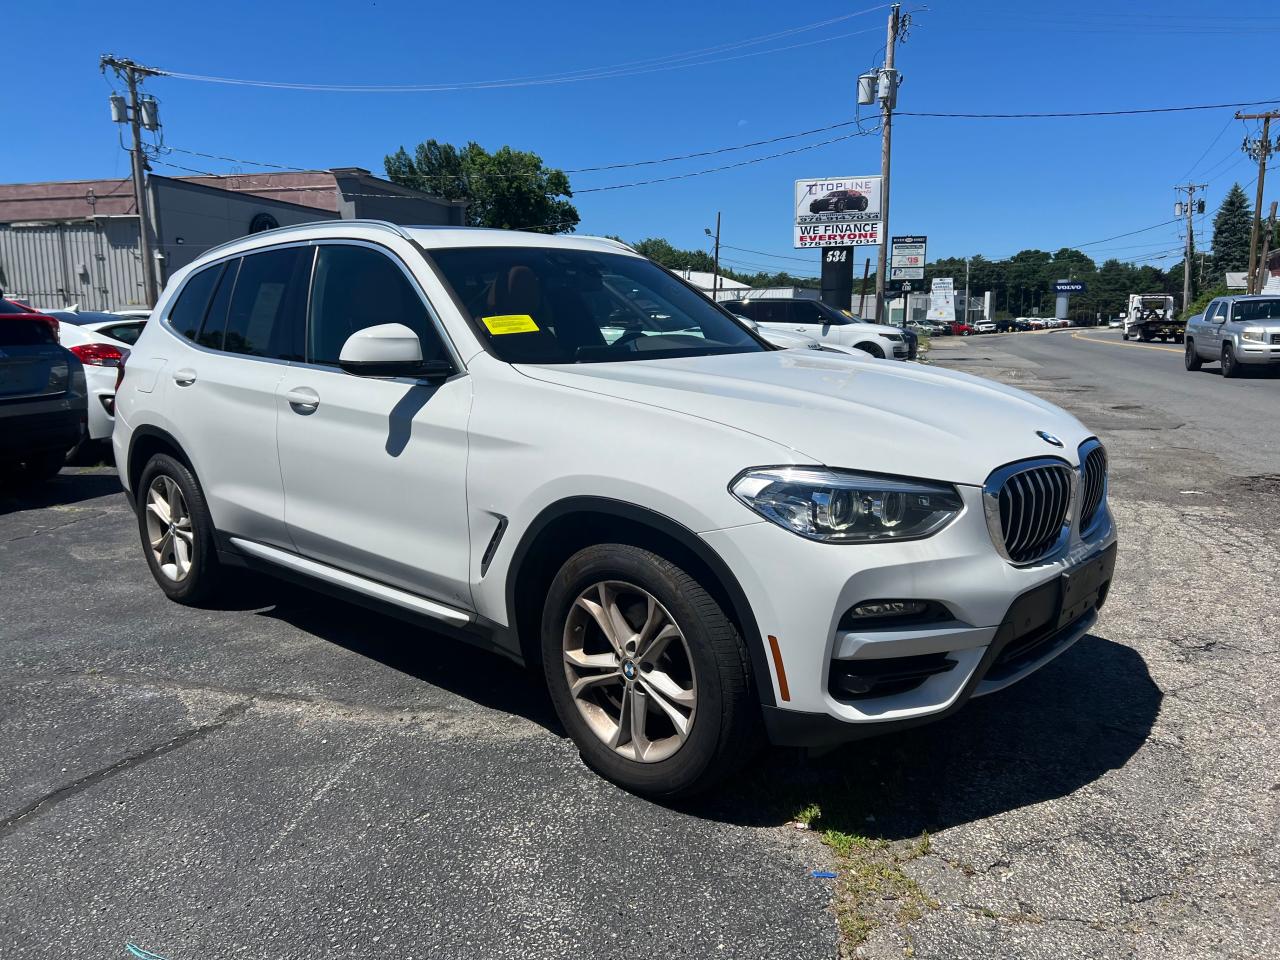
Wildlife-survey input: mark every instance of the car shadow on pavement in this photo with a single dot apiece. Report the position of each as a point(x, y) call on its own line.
point(1065, 726)
point(481, 676)
point(68, 487)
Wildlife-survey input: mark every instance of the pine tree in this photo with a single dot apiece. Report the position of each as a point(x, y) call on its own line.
point(1231, 229)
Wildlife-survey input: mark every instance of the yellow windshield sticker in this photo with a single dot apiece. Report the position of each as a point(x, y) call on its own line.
point(510, 323)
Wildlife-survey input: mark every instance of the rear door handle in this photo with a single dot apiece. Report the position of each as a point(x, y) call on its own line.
point(184, 377)
point(303, 399)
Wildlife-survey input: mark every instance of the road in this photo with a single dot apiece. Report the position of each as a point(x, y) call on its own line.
point(286, 776)
point(1148, 381)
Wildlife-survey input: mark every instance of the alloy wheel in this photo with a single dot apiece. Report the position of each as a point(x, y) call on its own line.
point(629, 670)
point(169, 530)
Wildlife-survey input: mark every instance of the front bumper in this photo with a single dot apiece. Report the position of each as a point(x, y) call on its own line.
point(997, 624)
point(1251, 351)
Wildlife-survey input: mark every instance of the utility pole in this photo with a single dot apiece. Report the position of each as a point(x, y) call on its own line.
point(966, 290)
point(715, 275)
point(1263, 153)
point(1189, 208)
point(133, 74)
point(888, 94)
point(862, 293)
point(1266, 247)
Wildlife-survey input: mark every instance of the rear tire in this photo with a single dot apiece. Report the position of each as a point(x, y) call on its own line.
point(1230, 367)
point(698, 719)
point(177, 532)
point(1191, 360)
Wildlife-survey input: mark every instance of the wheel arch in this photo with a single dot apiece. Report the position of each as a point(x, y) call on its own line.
point(147, 441)
point(568, 525)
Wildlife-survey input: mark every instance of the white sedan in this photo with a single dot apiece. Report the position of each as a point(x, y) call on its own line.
point(101, 341)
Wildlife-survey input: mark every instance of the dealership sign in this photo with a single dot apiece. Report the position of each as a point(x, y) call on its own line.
point(906, 262)
point(837, 212)
point(1068, 286)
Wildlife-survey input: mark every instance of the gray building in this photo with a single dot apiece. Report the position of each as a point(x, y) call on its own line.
point(73, 242)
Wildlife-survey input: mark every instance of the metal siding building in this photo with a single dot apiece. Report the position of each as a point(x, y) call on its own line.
point(76, 242)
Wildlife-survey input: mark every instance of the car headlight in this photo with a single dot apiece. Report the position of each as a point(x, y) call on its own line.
point(842, 506)
point(1257, 336)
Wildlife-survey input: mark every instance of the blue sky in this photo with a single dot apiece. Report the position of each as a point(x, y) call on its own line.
point(990, 187)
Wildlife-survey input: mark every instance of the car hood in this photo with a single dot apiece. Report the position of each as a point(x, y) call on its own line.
point(883, 416)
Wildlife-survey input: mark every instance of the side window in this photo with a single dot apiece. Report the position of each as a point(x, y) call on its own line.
point(1217, 311)
point(265, 318)
point(772, 311)
point(215, 321)
point(358, 287)
point(124, 332)
point(188, 311)
point(804, 311)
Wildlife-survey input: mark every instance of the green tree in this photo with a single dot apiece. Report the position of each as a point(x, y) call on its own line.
point(1231, 229)
point(510, 189)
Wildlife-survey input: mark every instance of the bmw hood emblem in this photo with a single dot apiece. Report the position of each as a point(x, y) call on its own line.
point(1048, 438)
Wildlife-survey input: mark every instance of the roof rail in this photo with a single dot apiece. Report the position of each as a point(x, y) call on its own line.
point(314, 224)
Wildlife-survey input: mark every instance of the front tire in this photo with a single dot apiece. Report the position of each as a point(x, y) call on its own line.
point(873, 349)
point(177, 532)
point(1230, 368)
point(646, 672)
point(1191, 360)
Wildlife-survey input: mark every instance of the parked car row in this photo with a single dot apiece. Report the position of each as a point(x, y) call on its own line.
point(92, 346)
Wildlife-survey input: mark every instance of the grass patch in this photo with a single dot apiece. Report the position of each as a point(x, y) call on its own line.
point(872, 888)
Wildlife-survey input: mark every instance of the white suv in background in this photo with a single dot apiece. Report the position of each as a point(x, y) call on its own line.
point(824, 323)
point(553, 447)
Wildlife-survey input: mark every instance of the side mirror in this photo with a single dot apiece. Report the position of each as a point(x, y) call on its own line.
point(389, 350)
point(747, 322)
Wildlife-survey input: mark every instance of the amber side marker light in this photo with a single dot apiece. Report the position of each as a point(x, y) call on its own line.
point(778, 668)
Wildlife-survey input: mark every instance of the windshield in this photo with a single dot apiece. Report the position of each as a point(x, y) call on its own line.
point(549, 305)
point(1251, 310)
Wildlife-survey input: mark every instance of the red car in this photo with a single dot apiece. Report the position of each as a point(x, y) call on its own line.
point(837, 201)
point(960, 329)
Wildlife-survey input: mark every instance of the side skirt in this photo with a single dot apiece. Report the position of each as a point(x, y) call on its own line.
point(371, 594)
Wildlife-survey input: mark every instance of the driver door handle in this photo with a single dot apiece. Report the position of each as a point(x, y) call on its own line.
point(303, 399)
point(184, 377)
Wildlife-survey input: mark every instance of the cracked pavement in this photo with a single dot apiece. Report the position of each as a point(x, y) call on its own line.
point(288, 776)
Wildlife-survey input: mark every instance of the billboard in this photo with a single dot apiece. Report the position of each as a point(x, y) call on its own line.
point(837, 212)
point(942, 300)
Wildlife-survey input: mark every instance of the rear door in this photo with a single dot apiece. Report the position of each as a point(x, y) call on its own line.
point(219, 387)
point(1214, 320)
point(375, 469)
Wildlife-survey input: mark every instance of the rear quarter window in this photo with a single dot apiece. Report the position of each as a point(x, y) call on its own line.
point(189, 309)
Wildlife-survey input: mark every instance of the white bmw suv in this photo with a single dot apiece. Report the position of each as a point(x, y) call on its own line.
point(553, 447)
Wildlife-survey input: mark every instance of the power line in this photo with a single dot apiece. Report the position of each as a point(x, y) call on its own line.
point(629, 68)
point(708, 153)
point(1085, 113)
point(1211, 145)
point(762, 253)
point(728, 166)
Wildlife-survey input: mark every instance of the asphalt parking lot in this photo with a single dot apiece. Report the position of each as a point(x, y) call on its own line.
point(287, 776)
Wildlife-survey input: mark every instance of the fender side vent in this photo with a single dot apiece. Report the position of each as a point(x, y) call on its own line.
point(492, 548)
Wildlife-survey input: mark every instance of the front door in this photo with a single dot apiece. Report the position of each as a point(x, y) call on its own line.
point(375, 469)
